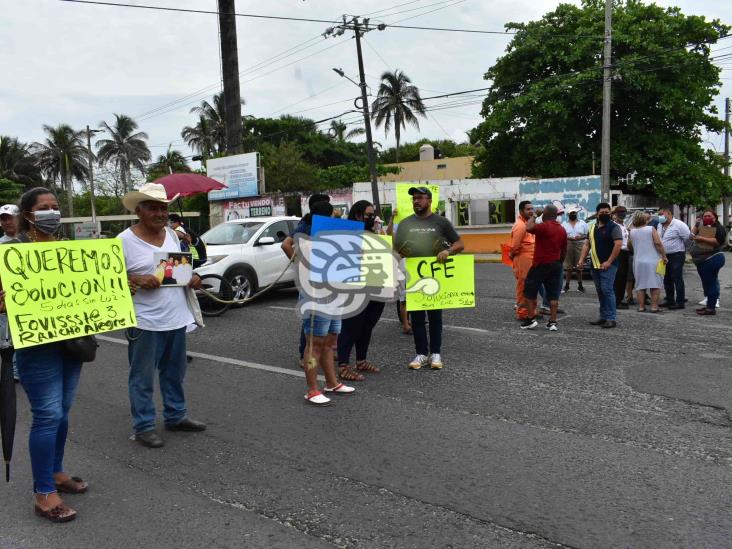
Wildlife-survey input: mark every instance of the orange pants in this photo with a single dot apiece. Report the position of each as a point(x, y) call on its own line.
point(521, 266)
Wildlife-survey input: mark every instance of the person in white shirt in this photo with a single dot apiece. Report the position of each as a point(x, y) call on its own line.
point(674, 236)
point(163, 313)
point(9, 222)
point(576, 230)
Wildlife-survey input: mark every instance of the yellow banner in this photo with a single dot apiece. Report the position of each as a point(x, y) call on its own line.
point(61, 290)
point(404, 200)
point(435, 285)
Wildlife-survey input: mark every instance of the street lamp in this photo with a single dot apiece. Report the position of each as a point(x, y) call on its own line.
point(89, 133)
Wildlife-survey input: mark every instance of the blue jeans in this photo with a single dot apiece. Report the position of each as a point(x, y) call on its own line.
point(709, 274)
point(166, 353)
point(50, 379)
point(420, 331)
point(605, 286)
point(673, 282)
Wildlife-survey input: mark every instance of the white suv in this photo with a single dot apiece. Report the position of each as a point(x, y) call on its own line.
point(247, 253)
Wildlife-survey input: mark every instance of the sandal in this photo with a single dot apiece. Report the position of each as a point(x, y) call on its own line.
point(341, 389)
point(74, 485)
point(317, 398)
point(60, 513)
point(366, 366)
point(347, 373)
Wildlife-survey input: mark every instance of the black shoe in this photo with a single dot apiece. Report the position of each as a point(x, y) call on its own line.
point(609, 324)
point(622, 305)
point(529, 324)
point(675, 306)
point(630, 301)
point(189, 358)
point(566, 289)
point(561, 312)
point(187, 425)
point(598, 322)
point(149, 439)
point(581, 288)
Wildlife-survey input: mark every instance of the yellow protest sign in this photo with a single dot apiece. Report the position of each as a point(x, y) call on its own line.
point(404, 201)
point(454, 287)
point(61, 290)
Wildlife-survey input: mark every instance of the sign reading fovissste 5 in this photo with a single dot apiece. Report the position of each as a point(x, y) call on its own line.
point(61, 290)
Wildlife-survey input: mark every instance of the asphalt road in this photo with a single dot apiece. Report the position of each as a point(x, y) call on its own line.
point(580, 438)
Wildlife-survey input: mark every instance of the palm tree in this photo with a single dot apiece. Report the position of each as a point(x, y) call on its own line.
point(63, 157)
point(17, 163)
point(215, 114)
point(397, 103)
point(201, 137)
point(171, 162)
point(338, 131)
point(125, 148)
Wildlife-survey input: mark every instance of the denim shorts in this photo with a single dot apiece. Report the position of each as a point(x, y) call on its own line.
point(322, 326)
point(548, 274)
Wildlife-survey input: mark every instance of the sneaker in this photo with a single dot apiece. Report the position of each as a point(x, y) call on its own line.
point(418, 362)
point(435, 361)
point(703, 302)
point(552, 326)
point(529, 324)
point(565, 289)
point(581, 288)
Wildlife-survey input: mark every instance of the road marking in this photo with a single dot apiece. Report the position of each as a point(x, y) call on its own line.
point(225, 360)
point(448, 326)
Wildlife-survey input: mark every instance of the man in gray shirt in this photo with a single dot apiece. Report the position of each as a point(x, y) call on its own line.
point(426, 234)
point(674, 235)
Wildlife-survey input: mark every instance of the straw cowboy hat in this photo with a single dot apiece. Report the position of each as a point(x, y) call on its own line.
point(153, 192)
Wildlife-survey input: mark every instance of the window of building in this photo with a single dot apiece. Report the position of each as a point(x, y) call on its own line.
point(485, 212)
point(441, 166)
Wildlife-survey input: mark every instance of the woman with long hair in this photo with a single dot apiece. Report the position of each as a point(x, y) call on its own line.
point(49, 377)
point(356, 331)
point(708, 237)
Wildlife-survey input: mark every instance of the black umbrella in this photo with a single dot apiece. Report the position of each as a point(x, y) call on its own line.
point(7, 408)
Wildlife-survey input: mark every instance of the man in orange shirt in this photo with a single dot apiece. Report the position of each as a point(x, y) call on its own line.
point(522, 255)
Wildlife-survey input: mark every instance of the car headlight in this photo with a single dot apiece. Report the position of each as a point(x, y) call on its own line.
point(214, 259)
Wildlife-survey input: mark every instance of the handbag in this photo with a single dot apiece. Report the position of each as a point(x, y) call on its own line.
point(661, 268)
point(82, 348)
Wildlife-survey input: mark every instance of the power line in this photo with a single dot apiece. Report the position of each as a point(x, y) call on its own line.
point(209, 12)
point(391, 8)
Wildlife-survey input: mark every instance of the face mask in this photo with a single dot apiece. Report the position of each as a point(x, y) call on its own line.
point(604, 218)
point(369, 223)
point(559, 219)
point(573, 217)
point(662, 219)
point(708, 221)
point(47, 221)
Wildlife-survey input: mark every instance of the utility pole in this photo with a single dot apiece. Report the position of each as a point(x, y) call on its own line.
point(230, 68)
point(725, 200)
point(91, 174)
point(606, 104)
point(360, 28)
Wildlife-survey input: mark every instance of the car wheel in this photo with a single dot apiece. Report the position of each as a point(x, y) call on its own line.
point(242, 283)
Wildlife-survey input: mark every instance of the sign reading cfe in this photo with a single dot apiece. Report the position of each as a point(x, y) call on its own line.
point(61, 290)
point(456, 278)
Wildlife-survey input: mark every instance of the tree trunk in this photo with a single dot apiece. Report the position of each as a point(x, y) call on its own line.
point(230, 69)
point(396, 133)
point(68, 186)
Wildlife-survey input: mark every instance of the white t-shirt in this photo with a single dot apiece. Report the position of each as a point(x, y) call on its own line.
point(579, 229)
point(5, 238)
point(157, 310)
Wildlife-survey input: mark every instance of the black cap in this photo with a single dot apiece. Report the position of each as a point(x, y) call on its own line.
point(420, 190)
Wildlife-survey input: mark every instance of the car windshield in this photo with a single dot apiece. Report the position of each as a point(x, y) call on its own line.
point(230, 233)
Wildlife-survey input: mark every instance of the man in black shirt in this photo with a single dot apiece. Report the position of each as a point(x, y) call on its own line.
point(426, 234)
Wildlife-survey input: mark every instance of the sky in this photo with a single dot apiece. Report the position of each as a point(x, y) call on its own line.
point(78, 64)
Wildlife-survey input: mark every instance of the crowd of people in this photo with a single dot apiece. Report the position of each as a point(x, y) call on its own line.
point(646, 256)
point(629, 264)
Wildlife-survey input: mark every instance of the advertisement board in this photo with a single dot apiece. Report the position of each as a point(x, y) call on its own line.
point(240, 173)
point(254, 207)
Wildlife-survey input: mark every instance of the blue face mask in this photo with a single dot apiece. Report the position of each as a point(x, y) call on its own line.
point(662, 219)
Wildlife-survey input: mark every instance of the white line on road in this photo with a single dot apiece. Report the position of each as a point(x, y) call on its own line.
point(225, 360)
point(448, 326)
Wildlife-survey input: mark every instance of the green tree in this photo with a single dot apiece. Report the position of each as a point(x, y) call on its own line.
point(125, 149)
point(17, 163)
point(215, 115)
point(340, 132)
point(285, 169)
point(170, 162)
point(542, 114)
point(409, 152)
point(63, 157)
point(10, 191)
point(201, 137)
point(397, 104)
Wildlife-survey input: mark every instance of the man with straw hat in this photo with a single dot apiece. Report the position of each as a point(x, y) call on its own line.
point(163, 313)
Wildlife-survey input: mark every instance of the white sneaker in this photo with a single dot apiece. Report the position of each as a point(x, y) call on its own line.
point(703, 302)
point(552, 326)
point(418, 362)
point(435, 361)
